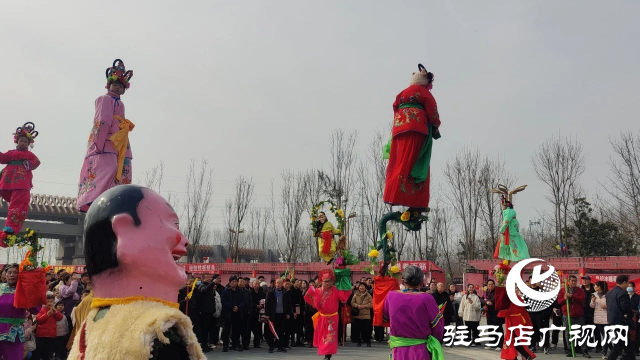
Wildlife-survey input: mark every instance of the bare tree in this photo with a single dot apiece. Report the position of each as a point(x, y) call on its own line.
point(439, 223)
point(153, 179)
point(197, 204)
point(625, 183)
point(492, 173)
point(259, 220)
point(559, 163)
point(340, 182)
point(465, 195)
point(293, 201)
point(371, 178)
point(242, 199)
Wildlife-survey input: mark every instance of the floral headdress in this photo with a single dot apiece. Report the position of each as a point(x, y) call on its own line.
point(27, 130)
point(327, 274)
point(117, 72)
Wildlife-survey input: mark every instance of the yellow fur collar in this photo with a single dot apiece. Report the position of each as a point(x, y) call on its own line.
point(104, 302)
point(127, 332)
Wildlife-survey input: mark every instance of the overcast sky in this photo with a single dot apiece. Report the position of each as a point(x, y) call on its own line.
point(258, 86)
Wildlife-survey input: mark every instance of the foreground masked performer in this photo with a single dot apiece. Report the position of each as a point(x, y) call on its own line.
point(107, 162)
point(417, 325)
point(131, 243)
point(325, 299)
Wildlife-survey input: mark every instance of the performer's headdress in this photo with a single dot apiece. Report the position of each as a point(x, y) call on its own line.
point(27, 130)
point(327, 274)
point(117, 72)
point(506, 195)
point(422, 77)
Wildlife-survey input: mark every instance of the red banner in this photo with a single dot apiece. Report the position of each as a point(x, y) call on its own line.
point(200, 268)
point(191, 268)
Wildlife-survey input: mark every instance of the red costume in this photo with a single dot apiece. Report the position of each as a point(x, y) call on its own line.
point(415, 122)
point(16, 181)
point(513, 316)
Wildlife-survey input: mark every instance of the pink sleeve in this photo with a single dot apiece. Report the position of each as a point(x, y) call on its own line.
point(67, 291)
point(103, 121)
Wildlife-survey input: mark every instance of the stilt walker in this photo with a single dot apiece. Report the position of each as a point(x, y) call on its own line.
point(416, 124)
point(107, 162)
point(16, 179)
point(511, 245)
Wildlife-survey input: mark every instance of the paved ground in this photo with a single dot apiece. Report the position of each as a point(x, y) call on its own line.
point(377, 351)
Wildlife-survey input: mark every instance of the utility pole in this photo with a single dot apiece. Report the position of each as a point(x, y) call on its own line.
point(362, 237)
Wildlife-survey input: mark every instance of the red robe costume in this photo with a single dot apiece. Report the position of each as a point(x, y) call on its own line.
point(415, 111)
point(16, 182)
point(513, 316)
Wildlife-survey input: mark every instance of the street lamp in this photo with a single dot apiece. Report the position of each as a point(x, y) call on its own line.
point(351, 216)
point(531, 223)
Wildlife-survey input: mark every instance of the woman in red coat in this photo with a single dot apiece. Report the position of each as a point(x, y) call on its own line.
point(16, 179)
point(415, 125)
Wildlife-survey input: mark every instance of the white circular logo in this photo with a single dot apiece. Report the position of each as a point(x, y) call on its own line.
point(534, 300)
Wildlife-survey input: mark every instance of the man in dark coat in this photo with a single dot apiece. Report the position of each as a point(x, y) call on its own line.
point(246, 326)
point(442, 299)
point(489, 301)
point(297, 331)
point(619, 313)
point(233, 311)
point(257, 294)
point(540, 320)
point(207, 306)
point(278, 309)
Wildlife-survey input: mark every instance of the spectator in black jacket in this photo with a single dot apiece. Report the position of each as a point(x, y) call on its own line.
point(207, 309)
point(245, 330)
point(219, 322)
point(233, 311)
point(540, 320)
point(189, 306)
point(489, 302)
point(297, 331)
point(309, 311)
point(619, 312)
point(442, 299)
point(257, 294)
point(278, 309)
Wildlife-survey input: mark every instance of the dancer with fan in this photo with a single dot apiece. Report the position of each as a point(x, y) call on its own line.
point(16, 179)
point(107, 162)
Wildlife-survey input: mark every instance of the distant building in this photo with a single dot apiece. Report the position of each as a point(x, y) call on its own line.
point(220, 254)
